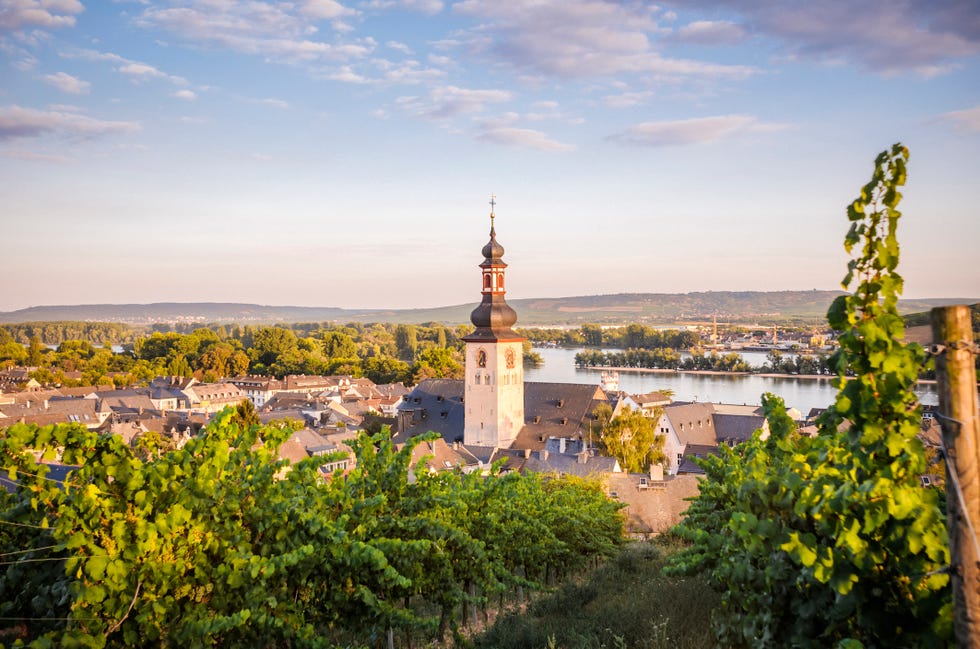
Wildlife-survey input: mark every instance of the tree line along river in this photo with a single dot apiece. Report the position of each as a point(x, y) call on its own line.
point(801, 393)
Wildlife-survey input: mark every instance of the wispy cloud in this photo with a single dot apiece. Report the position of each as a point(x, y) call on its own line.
point(283, 31)
point(19, 122)
point(449, 101)
point(32, 156)
point(408, 72)
point(281, 104)
point(135, 70)
point(627, 99)
point(399, 47)
point(689, 131)
point(188, 95)
point(521, 137)
point(140, 70)
point(883, 36)
point(711, 32)
point(44, 14)
point(581, 39)
point(325, 9)
point(967, 119)
point(67, 83)
point(424, 6)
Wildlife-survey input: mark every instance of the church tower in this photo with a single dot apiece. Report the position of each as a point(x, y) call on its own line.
point(494, 394)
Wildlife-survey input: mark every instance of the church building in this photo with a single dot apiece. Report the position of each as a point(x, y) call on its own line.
point(492, 412)
point(494, 393)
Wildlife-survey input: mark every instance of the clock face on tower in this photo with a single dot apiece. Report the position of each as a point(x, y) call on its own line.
point(481, 358)
point(509, 358)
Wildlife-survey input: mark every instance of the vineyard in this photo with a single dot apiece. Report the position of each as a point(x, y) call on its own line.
point(218, 543)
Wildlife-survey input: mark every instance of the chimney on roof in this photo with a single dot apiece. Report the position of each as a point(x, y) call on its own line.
point(657, 472)
point(583, 457)
point(543, 454)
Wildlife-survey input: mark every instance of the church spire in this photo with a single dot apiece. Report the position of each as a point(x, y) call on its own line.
point(493, 318)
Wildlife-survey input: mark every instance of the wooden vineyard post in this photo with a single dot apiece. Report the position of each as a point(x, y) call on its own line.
point(957, 386)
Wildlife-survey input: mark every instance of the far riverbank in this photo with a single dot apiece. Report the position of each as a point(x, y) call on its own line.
point(800, 392)
point(765, 375)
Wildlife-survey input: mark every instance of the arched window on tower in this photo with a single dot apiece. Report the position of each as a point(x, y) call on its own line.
point(500, 281)
point(486, 281)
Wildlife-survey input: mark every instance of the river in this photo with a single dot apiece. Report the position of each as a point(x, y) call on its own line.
point(803, 394)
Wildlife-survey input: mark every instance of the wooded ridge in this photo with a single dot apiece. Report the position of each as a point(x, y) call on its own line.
point(652, 308)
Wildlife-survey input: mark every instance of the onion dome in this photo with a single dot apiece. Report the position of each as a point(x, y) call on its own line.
point(493, 317)
point(493, 251)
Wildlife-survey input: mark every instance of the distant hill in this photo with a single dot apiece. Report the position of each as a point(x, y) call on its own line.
point(651, 308)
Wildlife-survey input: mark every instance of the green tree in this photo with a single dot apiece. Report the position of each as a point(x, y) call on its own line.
point(338, 346)
point(592, 335)
point(632, 438)
point(12, 353)
point(406, 342)
point(438, 363)
point(385, 369)
point(35, 352)
point(270, 344)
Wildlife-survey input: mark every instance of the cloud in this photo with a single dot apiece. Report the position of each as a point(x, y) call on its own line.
point(521, 137)
point(16, 14)
point(140, 70)
point(581, 39)
point(67, 83)
point(278, 30)
point(19, 122)
point(17, 154)
point(407, 72)
point(965, 120)
point(883, 36)
point(346, 74)
point(189, 95)
point(708, 32)
point(134, 69)
point(270, 101)
point(449, 101)
point(423, 6)
point(326, 9)
point(627, 99)
point(687, 131)
point(400, 47)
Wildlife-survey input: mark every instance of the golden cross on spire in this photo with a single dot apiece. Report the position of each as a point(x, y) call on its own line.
point(493, 204)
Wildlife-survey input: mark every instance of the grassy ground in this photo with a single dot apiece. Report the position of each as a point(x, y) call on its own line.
point(626, 604)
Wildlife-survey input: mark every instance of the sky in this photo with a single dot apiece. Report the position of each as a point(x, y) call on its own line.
point(344, 152)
